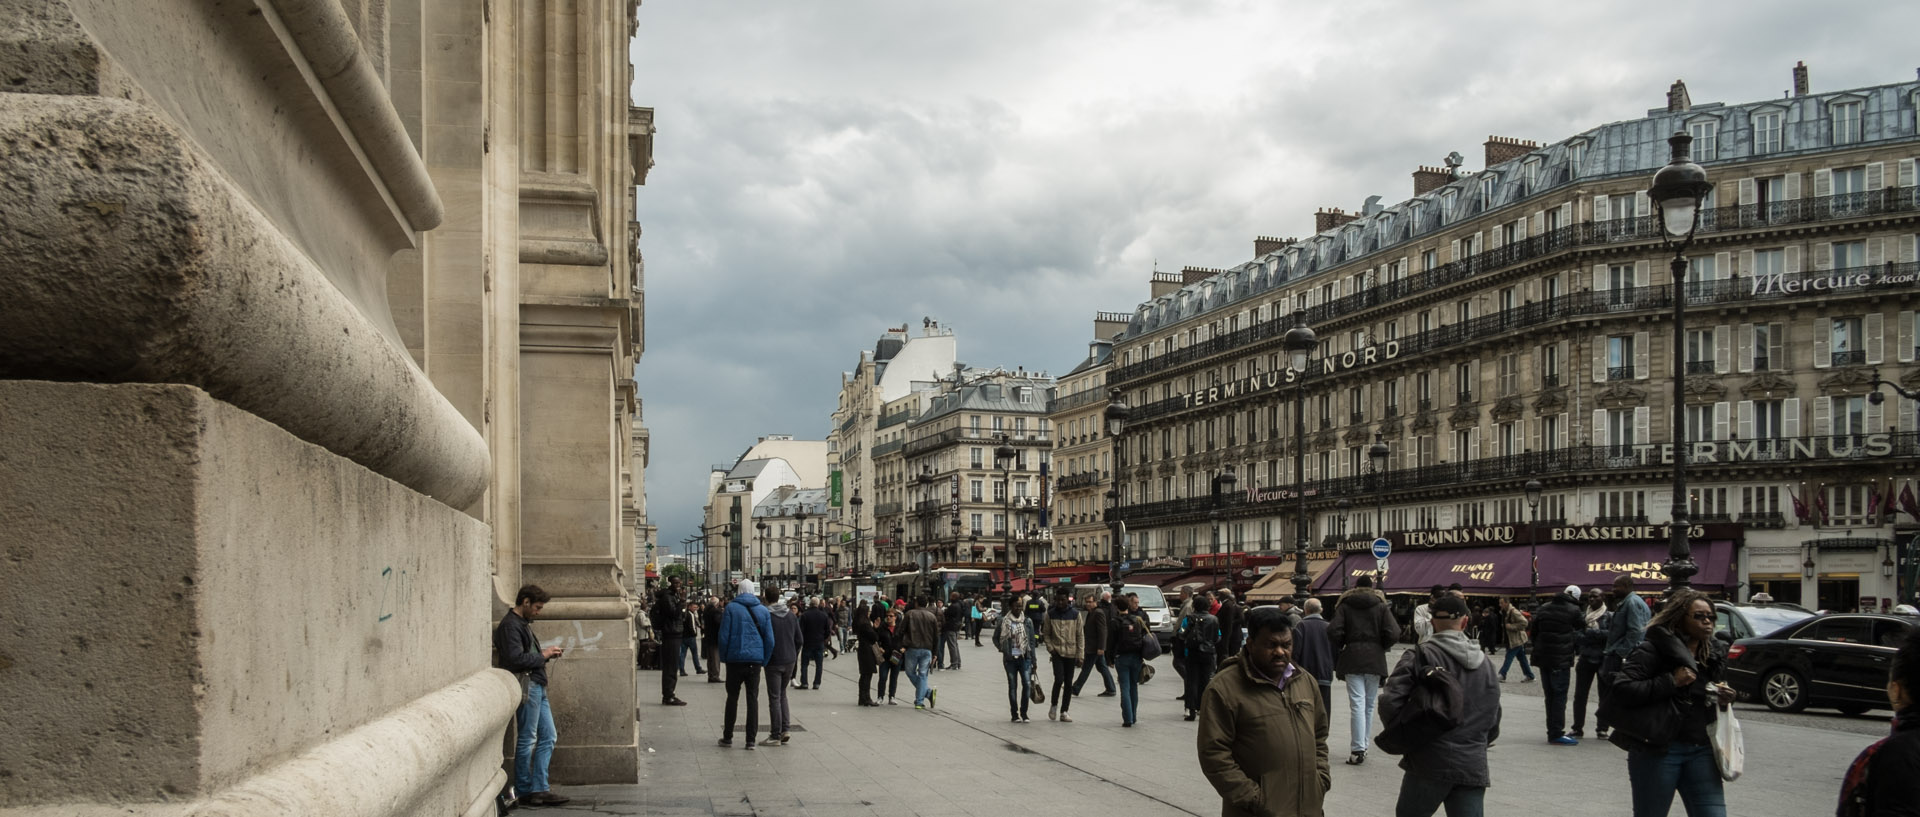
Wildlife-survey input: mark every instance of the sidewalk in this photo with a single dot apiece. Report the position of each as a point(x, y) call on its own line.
point(964, 758)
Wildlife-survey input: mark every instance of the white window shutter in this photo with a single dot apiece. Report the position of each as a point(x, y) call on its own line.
point(1642, 343)
point(1822, 183)
point(1873, 326)
point(1600, 359)
point(1722, 266)
point(1599, 208)
point(1746, 347)
point(1822, 416)
point(1454, 251)
point(1876, 175)
point(1447, 390)
point(1453, 448)
point(1473, 442)
point(1539, 222)
point(1876, 252)
point(1745, 414)
point(1790, 417)
point(1599, 432)
point(1560, 432)
point(1746, 261)
point(1533, 434)
point(1600, 282)
point(1473, 373)
point(1823, 256)
point(1822, 331)
point(1792, 258)
point(1749, 195)
point(1641, 274)
point(1520, 227)
point(1906, 173)
point(1903, 338)
point(1793, 186)
point(1720, 420)
point(1722, 349)
point(1642, 425)
point(1906, 249)
point(1566, 214)
point(1875, 416)
point(1642, 203)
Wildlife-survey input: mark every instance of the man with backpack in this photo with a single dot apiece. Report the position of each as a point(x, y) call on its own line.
point(1449, 769)
point(1130, 634)
point(1199, 645)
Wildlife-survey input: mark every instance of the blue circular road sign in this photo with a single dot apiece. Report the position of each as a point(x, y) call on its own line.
point(1382, 548)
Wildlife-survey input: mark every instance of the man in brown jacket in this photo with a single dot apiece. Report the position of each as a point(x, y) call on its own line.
point(1263, 727)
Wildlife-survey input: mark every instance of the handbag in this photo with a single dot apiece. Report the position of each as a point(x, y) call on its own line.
point(1729, 745)
point(1036, 694)
point(1654, 724)
point(1146, 673)
point(1150, 645)
point(1434, 707)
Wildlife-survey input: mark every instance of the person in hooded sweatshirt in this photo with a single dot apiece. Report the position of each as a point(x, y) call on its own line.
point(1066, 648)
point(746, 645)
point(786, 650)
point(1362, 630)
point(1451, 770)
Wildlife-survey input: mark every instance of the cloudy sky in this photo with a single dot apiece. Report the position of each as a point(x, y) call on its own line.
point(829, 168)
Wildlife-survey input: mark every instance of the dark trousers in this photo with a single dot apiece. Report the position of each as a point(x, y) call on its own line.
point(1422, 796)
point(1199, 672)
point(1556, 680)
point(743, 676)
point(1094, 662)
point(1063, 682)
point(813, 656)
point(951, 641)
point(712, 648)
point(689, 646)
point(778, 715)
point(1584, 674)
point(669, 669)
point(1609, 670)
point(888, 683)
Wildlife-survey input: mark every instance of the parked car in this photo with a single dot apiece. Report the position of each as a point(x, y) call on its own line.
point(1738, 620)
point(1153, 606)
point(1832, 659)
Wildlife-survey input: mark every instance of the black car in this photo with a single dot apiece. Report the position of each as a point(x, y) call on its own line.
point(1837, 659)
point(1737, 620)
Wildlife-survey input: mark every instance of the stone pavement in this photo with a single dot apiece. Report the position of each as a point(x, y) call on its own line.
point(965, 758)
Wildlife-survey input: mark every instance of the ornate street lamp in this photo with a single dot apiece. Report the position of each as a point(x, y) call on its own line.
point(1116, 415)
point(859, 550)
point(1003, 457)
point(1377, 460)
point(1118, 530)
point(1533, 488)
point(760, 551)
point(1300, 343)
point(896, 543)
point(1677, 192)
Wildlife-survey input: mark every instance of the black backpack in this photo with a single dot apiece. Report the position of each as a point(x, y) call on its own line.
point(1434, 707)
point(1129, 634)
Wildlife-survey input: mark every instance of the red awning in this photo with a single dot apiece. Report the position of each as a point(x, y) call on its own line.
point(1197, 581)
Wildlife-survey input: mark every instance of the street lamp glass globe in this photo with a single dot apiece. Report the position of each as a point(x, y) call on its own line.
point(1116, 413)
point(1378, 454)
point(1299, 342)
point(1678, 189)
point(1677, 216)
point(1533, 489)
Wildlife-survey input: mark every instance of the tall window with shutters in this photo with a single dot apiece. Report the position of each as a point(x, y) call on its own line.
point(1759, 502)
point(1507, 375)
point(1622, 507)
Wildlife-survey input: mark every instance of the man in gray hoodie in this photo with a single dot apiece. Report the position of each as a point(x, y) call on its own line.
point(786, 649)
point(1452, 769)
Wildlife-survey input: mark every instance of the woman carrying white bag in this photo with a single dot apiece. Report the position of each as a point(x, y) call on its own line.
point(1665, 711)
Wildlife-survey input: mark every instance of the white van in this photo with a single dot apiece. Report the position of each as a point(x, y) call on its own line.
point(1153, 605)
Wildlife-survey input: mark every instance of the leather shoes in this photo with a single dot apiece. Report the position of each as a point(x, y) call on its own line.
point(674, 702)
point(544, 798)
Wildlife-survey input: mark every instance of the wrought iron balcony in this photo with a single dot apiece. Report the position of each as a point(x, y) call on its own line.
point(1620, 373)
point(1700, 367)
point(1549, 380)
point(1854, 358)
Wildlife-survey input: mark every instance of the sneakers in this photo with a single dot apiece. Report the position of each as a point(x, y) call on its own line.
point(931, 694)
point(891, 701)
point(1189, 714)
point(1600, 733)
point(1357, 758)
point(749, 746)
point(1016, 719)
point(918, 706)
point(1064, 718)
point(1577, 733)
point(727, 742)
point(674, 702)
point(1025, 719)
point(1053, 713)
point(1563, 740)
point(544, 798)
point(1527, 680)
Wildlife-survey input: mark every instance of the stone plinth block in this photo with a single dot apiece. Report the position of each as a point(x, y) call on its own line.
point(205, 610)
point(593, 689)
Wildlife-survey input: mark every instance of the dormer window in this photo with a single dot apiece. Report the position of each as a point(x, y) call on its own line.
point(1530, 171)
point(1766, 131)
point(1846, 121)
point(1448, 200)
point(1706, 139)
point(1488, 185)
point(1576, 157)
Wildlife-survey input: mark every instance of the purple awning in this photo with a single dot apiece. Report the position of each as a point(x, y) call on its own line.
point(1503, 570)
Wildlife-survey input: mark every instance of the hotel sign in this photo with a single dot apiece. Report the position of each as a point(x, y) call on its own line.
point(1771, 450)
point(1263, 381)
point(1779, 283)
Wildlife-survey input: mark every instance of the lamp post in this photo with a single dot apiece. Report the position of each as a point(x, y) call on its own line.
point(760, 551)
point(800, 533)
point(1533, 488)
point(858, 550)
point(1003, 455)
point(1116, 415)
point(1677, 192)
point(1300, 343)
point(897, 544)
point(1377, 460)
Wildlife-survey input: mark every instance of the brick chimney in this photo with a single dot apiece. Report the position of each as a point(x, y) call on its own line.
point(1503, 148)
point(1677, 99)
point(1800, 85)
point(1266, 244)
point(1430, 178)
point(1329, 218)
point(1190, 275)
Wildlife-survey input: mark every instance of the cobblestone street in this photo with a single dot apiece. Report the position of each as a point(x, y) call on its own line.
point(965, 758)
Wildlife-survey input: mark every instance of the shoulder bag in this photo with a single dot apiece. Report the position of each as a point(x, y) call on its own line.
point(1434, 707)
point(1729, 745)
point(1149, 643)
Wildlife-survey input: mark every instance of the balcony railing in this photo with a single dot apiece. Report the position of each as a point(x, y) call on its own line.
point(1620, 373)
point(1600, 233)
point(1355, 418)
point(1393, 411)
point(1426, 404)
point(1465, 396)
point(1857, 357)
point(1580, 460)
point(1773, 520)
point(1548, 381)
point(1700, 367)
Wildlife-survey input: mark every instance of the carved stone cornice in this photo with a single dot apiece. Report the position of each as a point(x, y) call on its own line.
point(1423, 422)
point(1767, 383)
point(1325, 439)
point(1551, 402)
point(1619, 394)
point(1508, 408)
point(1703, 388)
point(1356, 434)
point(1167, 468)
point(1849, 380)
point(1464, 417)
point(1390, 430)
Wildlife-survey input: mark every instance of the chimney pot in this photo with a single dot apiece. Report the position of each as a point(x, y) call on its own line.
point(1678, 101)
point(1800, 85)
point(1430, 178)
point(1505, 149)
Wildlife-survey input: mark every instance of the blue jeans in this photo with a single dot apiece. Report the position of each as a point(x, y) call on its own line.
point(534, 747)
point(1019, 683)
point(689, 646)
point(1686, 767)
point(919, 662)
point(1556, 682)
point(1093, 662)
point(814, 656)
point(1128, 666)
point(1363, 694)
point(889, 682)
point(1525, 667)
point(1421, 796)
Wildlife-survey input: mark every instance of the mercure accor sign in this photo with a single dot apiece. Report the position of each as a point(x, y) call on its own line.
point(1264, 381)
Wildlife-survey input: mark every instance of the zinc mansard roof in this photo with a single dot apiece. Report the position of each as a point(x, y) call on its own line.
point(787, 500)
point(1618, 149)
point(992, 396)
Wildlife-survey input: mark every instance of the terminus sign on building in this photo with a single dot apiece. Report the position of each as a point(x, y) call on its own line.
point(1258, 382)
point(1509, 534)
point(1772, 450)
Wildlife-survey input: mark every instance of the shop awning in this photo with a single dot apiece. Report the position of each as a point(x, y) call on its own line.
point(1196, 581)
point(1503, 570)
point(1280, 582)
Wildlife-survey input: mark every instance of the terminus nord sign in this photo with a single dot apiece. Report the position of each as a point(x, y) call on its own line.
point(1509, 534)
point(1258, 382)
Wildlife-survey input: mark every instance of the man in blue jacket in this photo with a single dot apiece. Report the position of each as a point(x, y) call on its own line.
point(746, 644)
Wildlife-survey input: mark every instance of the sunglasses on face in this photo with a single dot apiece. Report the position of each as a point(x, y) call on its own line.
point(1706, 617)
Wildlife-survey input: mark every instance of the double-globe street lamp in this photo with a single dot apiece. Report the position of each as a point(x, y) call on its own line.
point(1677, 193)
point(1299, 343)
point(1377, 462)
point(1116, 415)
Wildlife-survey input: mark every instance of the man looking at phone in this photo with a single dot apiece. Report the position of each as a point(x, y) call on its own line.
point(521, 654)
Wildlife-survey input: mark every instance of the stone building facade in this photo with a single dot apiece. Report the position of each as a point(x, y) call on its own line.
point(1082, 471)
point(320, 341)
point(1516, 323)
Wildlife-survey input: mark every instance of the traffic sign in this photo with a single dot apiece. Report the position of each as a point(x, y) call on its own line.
point(1382, 548)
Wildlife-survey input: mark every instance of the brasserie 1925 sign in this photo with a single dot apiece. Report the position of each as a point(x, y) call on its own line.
point(1482, 535)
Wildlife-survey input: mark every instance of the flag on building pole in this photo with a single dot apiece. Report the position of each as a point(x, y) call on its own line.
point(1908, 503)
point(1799, 505)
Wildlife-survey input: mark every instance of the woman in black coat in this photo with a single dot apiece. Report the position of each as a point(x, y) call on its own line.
point(868, 640)
point(1884, 781)
point(1664, 704)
